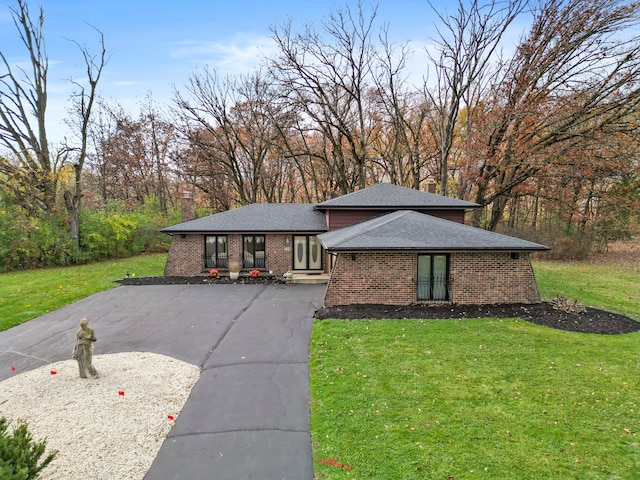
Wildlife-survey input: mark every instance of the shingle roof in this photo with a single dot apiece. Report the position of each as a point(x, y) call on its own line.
point(409, 230)
point(387, 196)
point(258, 218)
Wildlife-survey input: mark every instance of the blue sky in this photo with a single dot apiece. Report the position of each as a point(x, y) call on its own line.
point(154, 45)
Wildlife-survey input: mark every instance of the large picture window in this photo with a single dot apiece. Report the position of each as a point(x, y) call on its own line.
point(253, 251)
point(216, 251)
point(307, 253)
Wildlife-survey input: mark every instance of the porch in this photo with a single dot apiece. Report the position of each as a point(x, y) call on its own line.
point(306, 278)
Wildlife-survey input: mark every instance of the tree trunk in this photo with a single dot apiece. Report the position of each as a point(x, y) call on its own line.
point(72, 202)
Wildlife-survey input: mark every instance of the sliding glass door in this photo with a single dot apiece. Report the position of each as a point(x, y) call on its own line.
point(433, 275)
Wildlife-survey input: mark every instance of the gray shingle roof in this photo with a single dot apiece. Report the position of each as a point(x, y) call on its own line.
point(258, 218)
point(387, 196)
point(409, 230)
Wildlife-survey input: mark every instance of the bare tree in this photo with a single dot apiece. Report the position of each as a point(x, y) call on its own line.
point(84, 98)
point(573, 79)
point(135, 158)
point(31, 170)
point(403, 143)
point(163, 144)
point(326, 76)
point(229, 122)
point(467, 46)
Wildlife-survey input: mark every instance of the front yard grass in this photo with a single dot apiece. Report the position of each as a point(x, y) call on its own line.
point(615, 288)
point(28, 294)
point(483, 398)
point(472, 399)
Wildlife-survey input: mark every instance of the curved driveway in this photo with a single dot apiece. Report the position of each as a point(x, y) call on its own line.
point(248, 415)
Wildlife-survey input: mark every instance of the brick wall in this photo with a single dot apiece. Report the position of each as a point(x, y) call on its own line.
point(186, 255)
point(278, 253)
point(379, 278)
point(492, 277)
point(390, 278)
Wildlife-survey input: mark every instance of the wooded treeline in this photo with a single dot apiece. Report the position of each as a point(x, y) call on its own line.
point(542, 134)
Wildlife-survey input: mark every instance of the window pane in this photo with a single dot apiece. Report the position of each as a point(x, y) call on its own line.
point(315, 253)
point(439, 277)
point(300, 252)
point(254, 251)
point(223, 261)
point(210, 251)
point(259, 252)
point(247, 261)
point(424, 277)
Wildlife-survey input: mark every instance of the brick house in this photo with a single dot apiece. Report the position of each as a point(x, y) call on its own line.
point(384, 244)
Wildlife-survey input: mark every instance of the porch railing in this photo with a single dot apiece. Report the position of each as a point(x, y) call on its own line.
point(211, 261)
point(435, 288)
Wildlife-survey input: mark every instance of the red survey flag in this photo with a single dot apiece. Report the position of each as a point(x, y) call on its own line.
point(53, 372)
point(121, 393)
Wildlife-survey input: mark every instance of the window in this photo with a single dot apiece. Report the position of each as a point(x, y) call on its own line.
point(307, 253)
point(253, 255)
point(216, 251)
point(433, 273)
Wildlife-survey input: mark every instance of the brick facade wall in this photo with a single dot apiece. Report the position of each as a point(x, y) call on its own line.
point(186, 255)
point(379, 278)
point(278, 253)
point(390, 278)
point(492, 277)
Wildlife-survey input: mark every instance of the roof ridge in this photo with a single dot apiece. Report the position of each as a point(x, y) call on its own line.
point(388, 195)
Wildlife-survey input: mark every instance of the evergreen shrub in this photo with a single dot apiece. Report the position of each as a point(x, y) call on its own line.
point(21, 458)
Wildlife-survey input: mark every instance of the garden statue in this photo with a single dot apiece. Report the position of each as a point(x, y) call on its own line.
point(83, 351)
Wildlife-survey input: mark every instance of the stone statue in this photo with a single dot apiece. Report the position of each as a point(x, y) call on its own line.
point(83, 351)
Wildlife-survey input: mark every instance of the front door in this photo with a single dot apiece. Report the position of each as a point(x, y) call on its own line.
point(307, 253)
point(432, 277)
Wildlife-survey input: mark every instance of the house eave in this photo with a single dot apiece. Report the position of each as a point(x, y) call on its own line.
point(241, 232)
point(399, 207)
point(433, 249)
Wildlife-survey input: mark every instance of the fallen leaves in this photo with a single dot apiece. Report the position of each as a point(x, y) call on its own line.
point(333, 463)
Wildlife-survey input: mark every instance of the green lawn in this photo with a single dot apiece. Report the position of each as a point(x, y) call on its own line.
point(607, 287)
point(444, 399)
point(26, 295)
point(484, 398)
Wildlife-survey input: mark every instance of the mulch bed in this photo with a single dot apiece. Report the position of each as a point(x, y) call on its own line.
point(201, 280)
point(591, 321)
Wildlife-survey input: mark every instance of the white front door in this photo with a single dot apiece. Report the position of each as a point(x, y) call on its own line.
point(307, 253)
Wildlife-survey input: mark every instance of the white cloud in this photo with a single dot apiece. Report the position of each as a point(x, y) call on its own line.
point(239, 55)
point(125, 83)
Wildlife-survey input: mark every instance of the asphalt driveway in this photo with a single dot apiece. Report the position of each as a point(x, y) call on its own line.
point(248, 415)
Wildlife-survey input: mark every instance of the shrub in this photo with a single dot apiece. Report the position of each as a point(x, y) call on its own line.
point(565, 305)
point(30, 241)
point(20, 455)
point(105, 235)
point(575, 247)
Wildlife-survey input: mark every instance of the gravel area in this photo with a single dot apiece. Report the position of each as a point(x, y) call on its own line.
point(107, 427)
